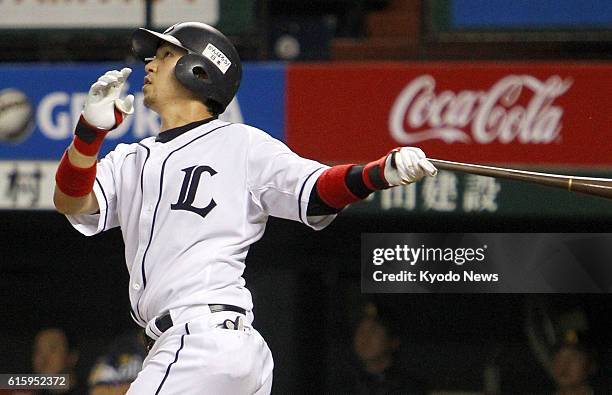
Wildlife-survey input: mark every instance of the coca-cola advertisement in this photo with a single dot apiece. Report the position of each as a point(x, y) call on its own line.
point(539, 114)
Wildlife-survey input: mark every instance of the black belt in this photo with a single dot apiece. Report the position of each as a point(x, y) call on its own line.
point(164, 321)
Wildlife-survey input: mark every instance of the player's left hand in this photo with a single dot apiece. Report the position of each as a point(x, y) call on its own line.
point(406, 165)
point(104, 108)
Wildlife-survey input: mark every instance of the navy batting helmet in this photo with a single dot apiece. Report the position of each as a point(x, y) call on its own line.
point(209, 54)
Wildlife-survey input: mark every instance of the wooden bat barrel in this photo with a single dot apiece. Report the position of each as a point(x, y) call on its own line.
point(592, 186)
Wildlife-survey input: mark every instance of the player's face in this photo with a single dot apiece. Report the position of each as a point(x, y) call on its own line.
point(161, 88)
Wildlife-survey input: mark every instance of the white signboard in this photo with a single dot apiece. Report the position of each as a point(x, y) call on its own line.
point(45, 14)
point(168, 12)
point(27, 185)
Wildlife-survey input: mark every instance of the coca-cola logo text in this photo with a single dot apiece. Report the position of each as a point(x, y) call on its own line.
point(483, 117)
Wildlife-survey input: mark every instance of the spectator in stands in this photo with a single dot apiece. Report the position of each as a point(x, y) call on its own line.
point(574, 365)
point(54, 354)
point(376, 343)
point(113, 372)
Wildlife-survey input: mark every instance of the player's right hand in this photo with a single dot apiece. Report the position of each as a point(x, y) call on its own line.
point(104, 109)
point(406, 165)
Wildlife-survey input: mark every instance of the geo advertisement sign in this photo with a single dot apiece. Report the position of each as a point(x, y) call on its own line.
point(540, 113)
point(40, 104)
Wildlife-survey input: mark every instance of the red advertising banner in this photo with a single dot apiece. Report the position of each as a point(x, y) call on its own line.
point(541, 114)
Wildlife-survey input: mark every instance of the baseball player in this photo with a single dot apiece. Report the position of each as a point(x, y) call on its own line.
point(192, 200)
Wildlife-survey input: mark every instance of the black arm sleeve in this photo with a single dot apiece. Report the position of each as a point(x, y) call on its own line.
point(316, 205)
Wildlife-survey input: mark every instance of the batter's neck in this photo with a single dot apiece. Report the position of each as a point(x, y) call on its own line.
point(177, 116)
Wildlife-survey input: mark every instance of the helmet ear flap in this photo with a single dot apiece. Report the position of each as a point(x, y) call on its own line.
point(206, 80)
point(190, 70)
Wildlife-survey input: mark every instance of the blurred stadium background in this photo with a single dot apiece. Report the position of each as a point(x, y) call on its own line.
point(523, 83)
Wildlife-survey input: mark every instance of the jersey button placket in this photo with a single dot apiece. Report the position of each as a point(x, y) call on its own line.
point(151, 180)
point(150, 195)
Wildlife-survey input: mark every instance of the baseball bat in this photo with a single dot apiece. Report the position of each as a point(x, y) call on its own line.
point(591, 186)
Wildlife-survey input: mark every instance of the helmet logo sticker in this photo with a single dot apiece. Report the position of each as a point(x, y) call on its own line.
point(218, 58)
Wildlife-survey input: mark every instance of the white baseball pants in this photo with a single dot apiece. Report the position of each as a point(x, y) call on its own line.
point(200, 357)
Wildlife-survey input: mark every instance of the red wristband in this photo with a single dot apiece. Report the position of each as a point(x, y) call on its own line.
point(340, 185)
point(74, 181)
point(332, 187)
point(88, 138)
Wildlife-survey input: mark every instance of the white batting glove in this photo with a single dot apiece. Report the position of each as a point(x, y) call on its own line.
point(407, 165)
point(103, 107)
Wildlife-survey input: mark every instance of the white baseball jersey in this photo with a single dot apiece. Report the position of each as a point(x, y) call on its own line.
point(189, 209)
